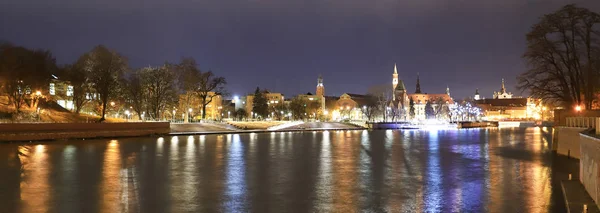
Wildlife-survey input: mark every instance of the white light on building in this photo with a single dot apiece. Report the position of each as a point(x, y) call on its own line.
point(69, 91)
point(52, 89)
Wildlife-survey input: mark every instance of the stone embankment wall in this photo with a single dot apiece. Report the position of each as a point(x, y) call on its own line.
point(588, 165)
point(567, 140)
point(53, 131)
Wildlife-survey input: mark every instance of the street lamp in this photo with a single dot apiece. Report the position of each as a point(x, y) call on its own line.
point(126, 114)
point(190, 111)
point(228, 114)
point(578, 110)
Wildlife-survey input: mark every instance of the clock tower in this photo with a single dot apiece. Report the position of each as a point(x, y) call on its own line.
point(320, 87)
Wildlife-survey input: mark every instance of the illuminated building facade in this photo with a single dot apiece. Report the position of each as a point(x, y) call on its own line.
point(504, 106)
point(272, 100)
point(213, 109)
point(346, 107)
point(401, 99)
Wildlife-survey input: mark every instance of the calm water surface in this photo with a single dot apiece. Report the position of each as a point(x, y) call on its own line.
point(478, 170)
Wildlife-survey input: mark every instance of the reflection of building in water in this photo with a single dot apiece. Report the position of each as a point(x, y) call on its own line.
point(504, 106)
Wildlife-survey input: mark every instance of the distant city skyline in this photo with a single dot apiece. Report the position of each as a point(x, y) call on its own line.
point(284, 45)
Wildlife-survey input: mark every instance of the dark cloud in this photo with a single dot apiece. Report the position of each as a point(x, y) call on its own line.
point(284, 45)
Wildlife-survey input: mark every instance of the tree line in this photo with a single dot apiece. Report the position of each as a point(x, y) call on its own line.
point(102, 76)
point(297, 108)
point(563, 57)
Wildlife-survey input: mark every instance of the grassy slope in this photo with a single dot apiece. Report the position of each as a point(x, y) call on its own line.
point(47, 115)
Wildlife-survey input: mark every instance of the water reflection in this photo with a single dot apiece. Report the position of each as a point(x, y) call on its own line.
point(35, 190)
point(496, 170)
point(113, 198)
point(235, 189)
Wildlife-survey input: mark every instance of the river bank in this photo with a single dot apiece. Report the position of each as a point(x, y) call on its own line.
point(24, 132)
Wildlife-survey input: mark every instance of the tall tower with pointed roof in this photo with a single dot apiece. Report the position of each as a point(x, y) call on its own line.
point(502, 94)
point(320, 87)
point(418, 90)
point(447, 90)
point(476, 97)
point(394, 81)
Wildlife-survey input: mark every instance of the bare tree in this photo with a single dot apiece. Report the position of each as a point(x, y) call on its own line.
point(562, 52)
point(159, 83)
point(411, 110)
point(441, 108)
point(106, 67)
point(188, 80)
point(79, 79)
point(209, 86)
point(370, 107)
point(135, 93)
point(24, 72)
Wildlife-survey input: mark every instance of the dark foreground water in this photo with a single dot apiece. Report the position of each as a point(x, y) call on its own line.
point(479, 170)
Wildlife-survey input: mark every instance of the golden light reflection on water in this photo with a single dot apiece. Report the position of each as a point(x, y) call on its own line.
point(324, 179)
point(35, 189)
point(111, 193)
point(401, 171)
point(345, 173)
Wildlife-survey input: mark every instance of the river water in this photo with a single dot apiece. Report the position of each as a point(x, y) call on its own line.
point(469, 170)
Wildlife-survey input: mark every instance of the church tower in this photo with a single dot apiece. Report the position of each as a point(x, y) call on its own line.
point(320, 87)
point(503, 89)
point(394, 80)
point(418, 90)
point(447, 90)
point(476, 97)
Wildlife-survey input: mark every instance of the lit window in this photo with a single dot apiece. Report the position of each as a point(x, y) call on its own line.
point(69, 90)
point(52, 91)
point(310, 99)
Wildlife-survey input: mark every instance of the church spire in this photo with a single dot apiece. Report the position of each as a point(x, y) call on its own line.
point(395, 69)
point(418, 85)
point(320, 80)
point(503, 90)
point(447, 90)
point(320, 87)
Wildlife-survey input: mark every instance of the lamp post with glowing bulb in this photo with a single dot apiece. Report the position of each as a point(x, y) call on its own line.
point(578, 110)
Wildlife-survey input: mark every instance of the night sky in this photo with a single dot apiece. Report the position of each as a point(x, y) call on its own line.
point(284, 45)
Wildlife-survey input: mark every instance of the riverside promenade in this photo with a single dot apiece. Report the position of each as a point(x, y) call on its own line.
point(26, 132)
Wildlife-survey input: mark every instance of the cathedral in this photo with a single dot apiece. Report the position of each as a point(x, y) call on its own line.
point(401, 99)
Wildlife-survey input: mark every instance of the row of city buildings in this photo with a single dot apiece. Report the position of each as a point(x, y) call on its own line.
point(502, 106)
